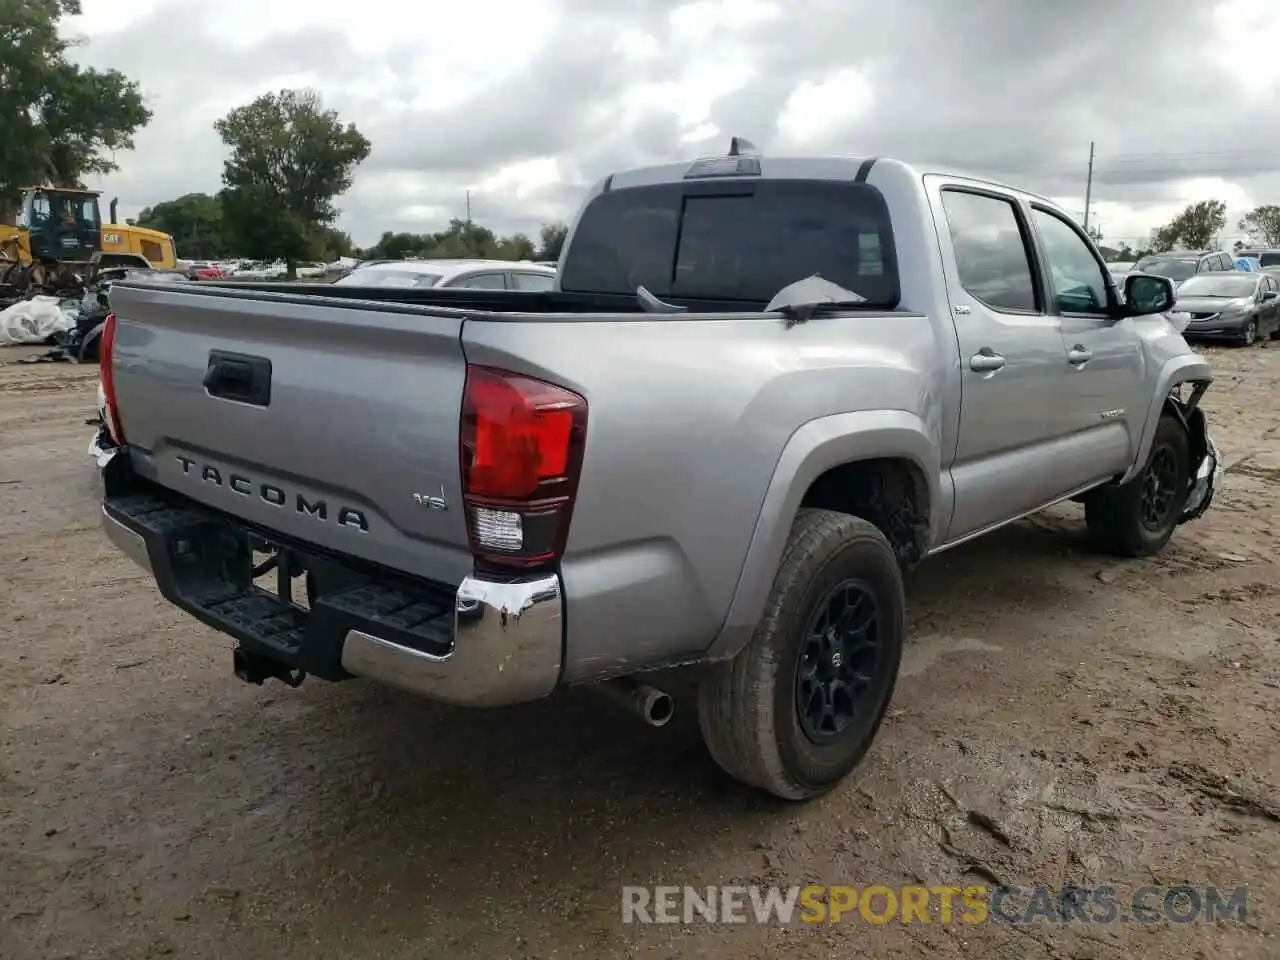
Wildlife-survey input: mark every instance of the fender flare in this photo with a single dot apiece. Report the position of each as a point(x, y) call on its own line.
point(816, 447)
point(1187, 368)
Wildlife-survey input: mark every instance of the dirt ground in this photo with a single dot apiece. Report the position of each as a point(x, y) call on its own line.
point(1062, 718)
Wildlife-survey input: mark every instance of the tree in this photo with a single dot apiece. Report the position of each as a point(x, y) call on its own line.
point(1263, 224)
point(1194, 228)
point(58, 121)
point(333, 243)
point(290, 158)
point(462, 238)
point(195, 223)
point(552, 239)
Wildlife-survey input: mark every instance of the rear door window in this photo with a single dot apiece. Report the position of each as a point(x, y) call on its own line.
point(480, 281)
point(533, 281)
point(744, 242)
point(992, 257)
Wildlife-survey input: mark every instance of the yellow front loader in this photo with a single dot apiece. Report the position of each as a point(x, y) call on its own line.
point(60, 240)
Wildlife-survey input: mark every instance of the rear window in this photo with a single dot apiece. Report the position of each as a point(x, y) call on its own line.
point(730, 241)
point(1269, 259)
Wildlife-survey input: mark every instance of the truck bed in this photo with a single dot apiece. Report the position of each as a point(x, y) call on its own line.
point(688, 415)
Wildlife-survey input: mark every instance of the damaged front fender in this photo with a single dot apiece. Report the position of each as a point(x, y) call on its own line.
point(1206, 463)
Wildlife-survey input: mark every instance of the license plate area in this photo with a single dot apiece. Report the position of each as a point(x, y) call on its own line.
point(290, 602)
point(284, 573)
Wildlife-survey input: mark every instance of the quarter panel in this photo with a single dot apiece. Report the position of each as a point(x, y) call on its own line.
point(815, 448)
point(688, 419)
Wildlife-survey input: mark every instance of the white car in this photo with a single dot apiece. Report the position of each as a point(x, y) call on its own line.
point(471, 274)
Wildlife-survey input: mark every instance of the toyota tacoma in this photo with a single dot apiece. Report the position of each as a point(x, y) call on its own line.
point(761, 390)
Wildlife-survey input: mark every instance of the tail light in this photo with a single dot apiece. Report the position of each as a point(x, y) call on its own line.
point(106, 348)
point(521, 451)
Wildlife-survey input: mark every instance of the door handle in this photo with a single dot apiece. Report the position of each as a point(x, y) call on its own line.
point(1078, 355)
point(986, 360)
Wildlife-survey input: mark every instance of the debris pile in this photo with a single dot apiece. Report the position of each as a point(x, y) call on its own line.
point(70, 323)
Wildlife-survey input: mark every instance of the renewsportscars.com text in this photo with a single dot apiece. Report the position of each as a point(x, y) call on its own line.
point(940, 904)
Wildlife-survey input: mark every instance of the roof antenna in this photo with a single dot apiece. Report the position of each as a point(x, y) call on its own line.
point(740, 147)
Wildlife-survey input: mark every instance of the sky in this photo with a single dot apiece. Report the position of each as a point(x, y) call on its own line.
point(525, 103)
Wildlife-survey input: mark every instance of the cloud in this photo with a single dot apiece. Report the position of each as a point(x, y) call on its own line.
point(523, 103)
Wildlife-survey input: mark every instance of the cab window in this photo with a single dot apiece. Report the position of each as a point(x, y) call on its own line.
point(686, 241)
point(992, 259)
point(89, 212)
point(41, 211)
point(1079, 283)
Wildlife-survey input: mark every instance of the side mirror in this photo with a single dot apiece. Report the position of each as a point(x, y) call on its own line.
point(1144, 294)
point(1269, 295)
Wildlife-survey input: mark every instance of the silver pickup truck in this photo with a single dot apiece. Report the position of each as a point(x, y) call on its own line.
point(760, 391)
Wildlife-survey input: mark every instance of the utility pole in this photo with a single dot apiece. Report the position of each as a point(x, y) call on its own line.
point(468, 208)
point(1088, 188)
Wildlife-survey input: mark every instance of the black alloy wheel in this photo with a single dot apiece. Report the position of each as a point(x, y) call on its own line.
point(837, 661)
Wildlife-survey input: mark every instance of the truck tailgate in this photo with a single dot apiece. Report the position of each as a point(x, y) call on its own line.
point(335, 424)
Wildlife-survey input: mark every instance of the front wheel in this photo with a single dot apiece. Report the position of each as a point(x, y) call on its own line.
point(1137, 519)
point(799, 706)
point(1249, 336)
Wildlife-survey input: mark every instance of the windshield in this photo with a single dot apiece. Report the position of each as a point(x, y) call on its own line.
point(1225, 285)
point(1173, 269)
point(373, 277)
point(734, 240)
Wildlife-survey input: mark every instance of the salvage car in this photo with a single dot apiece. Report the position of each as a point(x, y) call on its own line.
point(1266, 256)
point(470, 274)
point(1181, 265)
point(1236, 306)
point(709, 453)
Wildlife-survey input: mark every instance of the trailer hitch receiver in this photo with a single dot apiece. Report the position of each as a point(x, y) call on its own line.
point(255, 669)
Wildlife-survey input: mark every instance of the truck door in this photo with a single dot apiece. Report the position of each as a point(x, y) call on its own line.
point(1106, 400)
point(1011, 446)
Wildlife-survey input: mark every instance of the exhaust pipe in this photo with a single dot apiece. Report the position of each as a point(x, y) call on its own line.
point(655, 707)
point(114, 201)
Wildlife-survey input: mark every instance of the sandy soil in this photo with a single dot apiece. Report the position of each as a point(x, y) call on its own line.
point(1113, 722)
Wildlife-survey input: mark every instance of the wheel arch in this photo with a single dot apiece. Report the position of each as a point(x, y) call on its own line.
point(881, 465)
point(1187, 369)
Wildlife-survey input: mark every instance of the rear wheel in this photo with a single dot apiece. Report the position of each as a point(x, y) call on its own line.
point(1137, 519)
point(799, 706)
